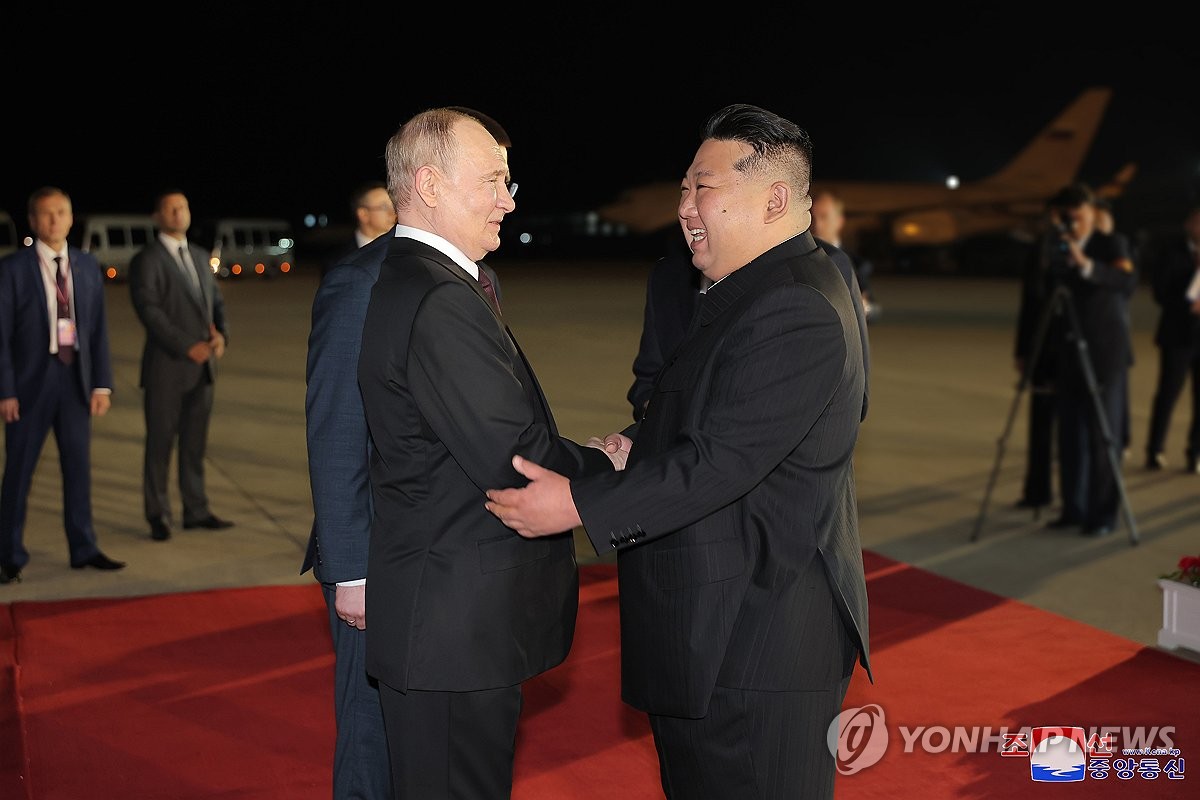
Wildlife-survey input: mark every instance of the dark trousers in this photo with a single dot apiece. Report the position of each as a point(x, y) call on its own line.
point(58, 406)
point(1039, 463)
point(752, 745)
point(1087, 481)
point(1175, 366)
point(360, 756)
point(176, 413)
point(452, 745)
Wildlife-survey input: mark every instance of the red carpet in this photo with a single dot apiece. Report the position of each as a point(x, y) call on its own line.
point(228, 694)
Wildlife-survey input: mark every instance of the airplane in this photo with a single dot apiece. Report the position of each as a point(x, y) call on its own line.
point(931, 214)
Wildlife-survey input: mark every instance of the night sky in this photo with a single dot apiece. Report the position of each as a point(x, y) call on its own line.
point(255, 116)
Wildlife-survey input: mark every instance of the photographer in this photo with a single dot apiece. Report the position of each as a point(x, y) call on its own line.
point(1096, 271)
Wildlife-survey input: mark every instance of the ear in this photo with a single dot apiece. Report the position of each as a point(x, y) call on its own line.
point(426, 184)
point(777, 201)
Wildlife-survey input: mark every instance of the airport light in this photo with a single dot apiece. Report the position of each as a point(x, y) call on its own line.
point(952, 182)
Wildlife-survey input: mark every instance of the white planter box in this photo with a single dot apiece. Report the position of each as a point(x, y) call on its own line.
point(1181, 615)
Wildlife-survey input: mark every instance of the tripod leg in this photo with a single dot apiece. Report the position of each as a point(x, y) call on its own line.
point(1026, 377)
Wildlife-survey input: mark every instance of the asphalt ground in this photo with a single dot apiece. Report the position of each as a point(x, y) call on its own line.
point(943, 392)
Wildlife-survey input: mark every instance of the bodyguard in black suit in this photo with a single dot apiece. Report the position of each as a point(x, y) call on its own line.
point(55, 373)
point(741, 586)
point(462, 610)
point(1098, 273)
point(180, 305)
point(1175, 278)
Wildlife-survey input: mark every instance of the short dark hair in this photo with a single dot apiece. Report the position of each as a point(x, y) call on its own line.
point(494, 128)
point(773, 138)
point(359, 198)
point(170, 190)
point(45, 191)
point(1073, 196)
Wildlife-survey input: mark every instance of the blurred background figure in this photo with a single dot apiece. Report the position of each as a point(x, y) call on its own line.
point(55, 372)
point(1037, 290)
point(1106, 222)
point(1098, 272)
point(828, 219)
point(374, 216)
point(1174, 269)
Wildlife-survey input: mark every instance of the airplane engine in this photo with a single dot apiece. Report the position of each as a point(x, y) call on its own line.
point(924, 228)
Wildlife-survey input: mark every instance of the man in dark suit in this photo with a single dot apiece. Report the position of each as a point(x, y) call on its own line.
point(374, 215)
point(55, 373)
point(672, 294)
point(741, 586)
point(462, 610)
point(1175, 277)
point(181, 307)
point(338, 461)
point(1098, 273)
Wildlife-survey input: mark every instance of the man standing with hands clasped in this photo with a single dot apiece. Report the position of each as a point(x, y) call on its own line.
point(742, 595)
point(178, 302)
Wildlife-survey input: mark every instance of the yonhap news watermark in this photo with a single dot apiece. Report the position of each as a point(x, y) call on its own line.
point(859, 737)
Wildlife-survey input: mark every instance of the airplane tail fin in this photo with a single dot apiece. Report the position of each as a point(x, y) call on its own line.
point(1119, 183)
point(1052, 160)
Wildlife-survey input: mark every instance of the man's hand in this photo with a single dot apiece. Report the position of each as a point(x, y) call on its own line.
point(10, 409)
point(101, 402)
point(542, 508)
point(199, 352)
point(216, 340)
point(616, 446)
point(350, 603)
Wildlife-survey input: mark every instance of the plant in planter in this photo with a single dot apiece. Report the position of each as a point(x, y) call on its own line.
point(1181, 605)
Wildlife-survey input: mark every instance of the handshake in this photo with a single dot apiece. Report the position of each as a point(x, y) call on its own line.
point(616, 446)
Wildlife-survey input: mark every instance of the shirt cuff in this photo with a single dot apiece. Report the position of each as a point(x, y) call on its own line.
point(101, 390)
point(359, 582)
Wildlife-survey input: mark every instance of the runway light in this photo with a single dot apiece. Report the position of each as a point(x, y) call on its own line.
point(952, 182)
point(260, 268)
point(285, 267)
point(111, 272)
point(236, 269)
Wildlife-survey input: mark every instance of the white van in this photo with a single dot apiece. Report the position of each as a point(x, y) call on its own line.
point(115, 238)
point(247, 247)
point(8, 235)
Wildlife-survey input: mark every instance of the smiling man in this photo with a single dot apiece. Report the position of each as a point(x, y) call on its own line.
point(742, 595)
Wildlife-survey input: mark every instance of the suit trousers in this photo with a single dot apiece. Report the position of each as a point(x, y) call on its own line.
point(752, 745)
point(1175, 366)
point(176, 413)
point(58, 406)
point(1039, 464)
point(1088, 485)
point(452, 745)
point(360, 755)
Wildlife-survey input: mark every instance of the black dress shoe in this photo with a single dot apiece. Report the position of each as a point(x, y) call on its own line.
point(1025, 502)
point(1063, 522)
point(1096, 531)
point(99, 561)
point(10, 574)
point(1156, 461)
point(211, 522)
point(159, 531)
point(1193, 465)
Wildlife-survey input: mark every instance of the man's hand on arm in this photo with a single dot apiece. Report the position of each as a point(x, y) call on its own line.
point(101, 402)
point(10, 409)
point(544, 507)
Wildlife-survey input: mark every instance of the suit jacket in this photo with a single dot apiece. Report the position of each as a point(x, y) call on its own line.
point(672, 291)
point(457, 601)
point(25, 325)
point(174, 317)
point(1101, 302)
point(735, 521)
point(339, 444)
point(1172, 269)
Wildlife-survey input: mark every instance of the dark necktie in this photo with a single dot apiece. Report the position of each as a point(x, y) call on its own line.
point(486, 283)
point(66, 353)
point(188, 271)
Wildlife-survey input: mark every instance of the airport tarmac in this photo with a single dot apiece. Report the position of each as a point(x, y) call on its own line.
point(943, 386)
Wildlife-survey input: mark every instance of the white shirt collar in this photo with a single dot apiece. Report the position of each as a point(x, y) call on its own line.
point(172, 244)
point(47, 253)
point(441, 245)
